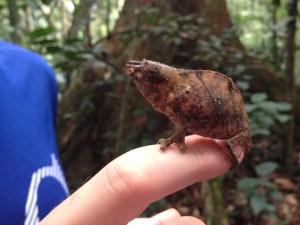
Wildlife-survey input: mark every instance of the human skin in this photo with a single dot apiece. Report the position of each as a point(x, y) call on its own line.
point(124, 188)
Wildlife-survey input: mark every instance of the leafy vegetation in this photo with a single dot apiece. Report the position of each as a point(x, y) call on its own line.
point(74, 37)
point(261, 192)
point(266, 115)
point(261, 26)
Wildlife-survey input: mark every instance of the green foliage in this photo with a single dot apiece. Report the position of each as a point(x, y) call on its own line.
point(265, 168)
point(44, 28)
point(260, 191)
point(46, 2)
point(265, 114)
point(261, 26)
point(41, 33)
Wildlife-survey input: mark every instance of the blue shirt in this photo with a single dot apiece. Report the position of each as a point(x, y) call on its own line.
point(31, 179)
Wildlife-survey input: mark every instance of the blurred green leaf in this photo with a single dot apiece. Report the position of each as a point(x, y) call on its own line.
point(44, 41)
point(283, 118)
point(277, 195)
point(151, 10)
point(239, 69)
point(260, 131)
point(151, 20)
point(41, 32)
point(177, 41)
point(53, 49)
point(270, 208)
point(244, 85)
point(257, 204)
point(46, 2)
point(269, 107)
point(268, 184)
point(247, 183)
point(266, 168)
point(250, 107)
point(258, 97)
point(239, 55)
point(265, 114)
point(284, 106)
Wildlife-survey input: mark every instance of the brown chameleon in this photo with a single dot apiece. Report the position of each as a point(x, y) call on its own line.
point(202, 102)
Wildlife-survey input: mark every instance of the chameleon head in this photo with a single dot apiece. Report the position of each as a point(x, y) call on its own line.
point(154, 80)
point(160, 84)
point(150, 73)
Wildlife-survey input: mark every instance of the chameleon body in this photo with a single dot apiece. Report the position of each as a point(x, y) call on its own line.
point(202, 102)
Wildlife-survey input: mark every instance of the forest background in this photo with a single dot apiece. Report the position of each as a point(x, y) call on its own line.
point(101, 114)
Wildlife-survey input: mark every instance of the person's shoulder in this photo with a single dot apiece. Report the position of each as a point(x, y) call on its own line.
point(13, 54)
point(6, 46)
point(15, 58)
point(18, 52)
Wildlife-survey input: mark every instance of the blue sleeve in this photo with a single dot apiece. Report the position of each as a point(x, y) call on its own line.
point(32, 181)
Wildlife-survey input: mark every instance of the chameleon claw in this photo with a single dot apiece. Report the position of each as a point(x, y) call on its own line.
point(163, 144)
point(181, 146)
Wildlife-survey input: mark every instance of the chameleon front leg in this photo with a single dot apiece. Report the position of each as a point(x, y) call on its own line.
point(241, 139)
point(178, 137)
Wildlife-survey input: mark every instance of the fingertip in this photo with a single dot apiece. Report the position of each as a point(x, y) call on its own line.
point(159, 218)
point(139, 221)
point(165, 215)
point(238, 151)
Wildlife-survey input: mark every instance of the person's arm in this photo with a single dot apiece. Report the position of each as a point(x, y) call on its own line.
point(123, 189)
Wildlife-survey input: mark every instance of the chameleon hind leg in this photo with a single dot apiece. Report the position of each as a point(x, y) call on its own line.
point(242, 139)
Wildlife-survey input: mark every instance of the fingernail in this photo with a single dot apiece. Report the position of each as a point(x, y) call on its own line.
point(139, 221)
point(238, 151)
point(163, 217)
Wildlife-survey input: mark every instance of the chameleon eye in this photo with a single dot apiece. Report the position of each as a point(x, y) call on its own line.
point(155, 78)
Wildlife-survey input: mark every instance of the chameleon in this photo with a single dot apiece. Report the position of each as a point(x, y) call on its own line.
point(202, 102)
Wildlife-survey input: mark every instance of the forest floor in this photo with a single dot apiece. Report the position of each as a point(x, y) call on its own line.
point(284, 211)
point(289, 208)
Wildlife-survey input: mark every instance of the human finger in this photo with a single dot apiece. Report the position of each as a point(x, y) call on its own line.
point(126, 186)
point(160, 218)
point(184, 220)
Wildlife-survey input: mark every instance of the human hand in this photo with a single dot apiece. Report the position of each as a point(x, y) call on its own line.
point(123, 189)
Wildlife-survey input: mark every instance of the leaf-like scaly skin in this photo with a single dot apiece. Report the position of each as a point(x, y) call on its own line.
point(202, 102)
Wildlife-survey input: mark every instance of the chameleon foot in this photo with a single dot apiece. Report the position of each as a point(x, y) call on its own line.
point(164, 143)
point(181, 146)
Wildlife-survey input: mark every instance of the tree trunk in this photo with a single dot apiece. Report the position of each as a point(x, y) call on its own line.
point(214, 13)
point(263, 79)
point(14, 20)
point(275, 55)
point(214, 212)
point(81, 17)
point(149, 29)
point(290, 80)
